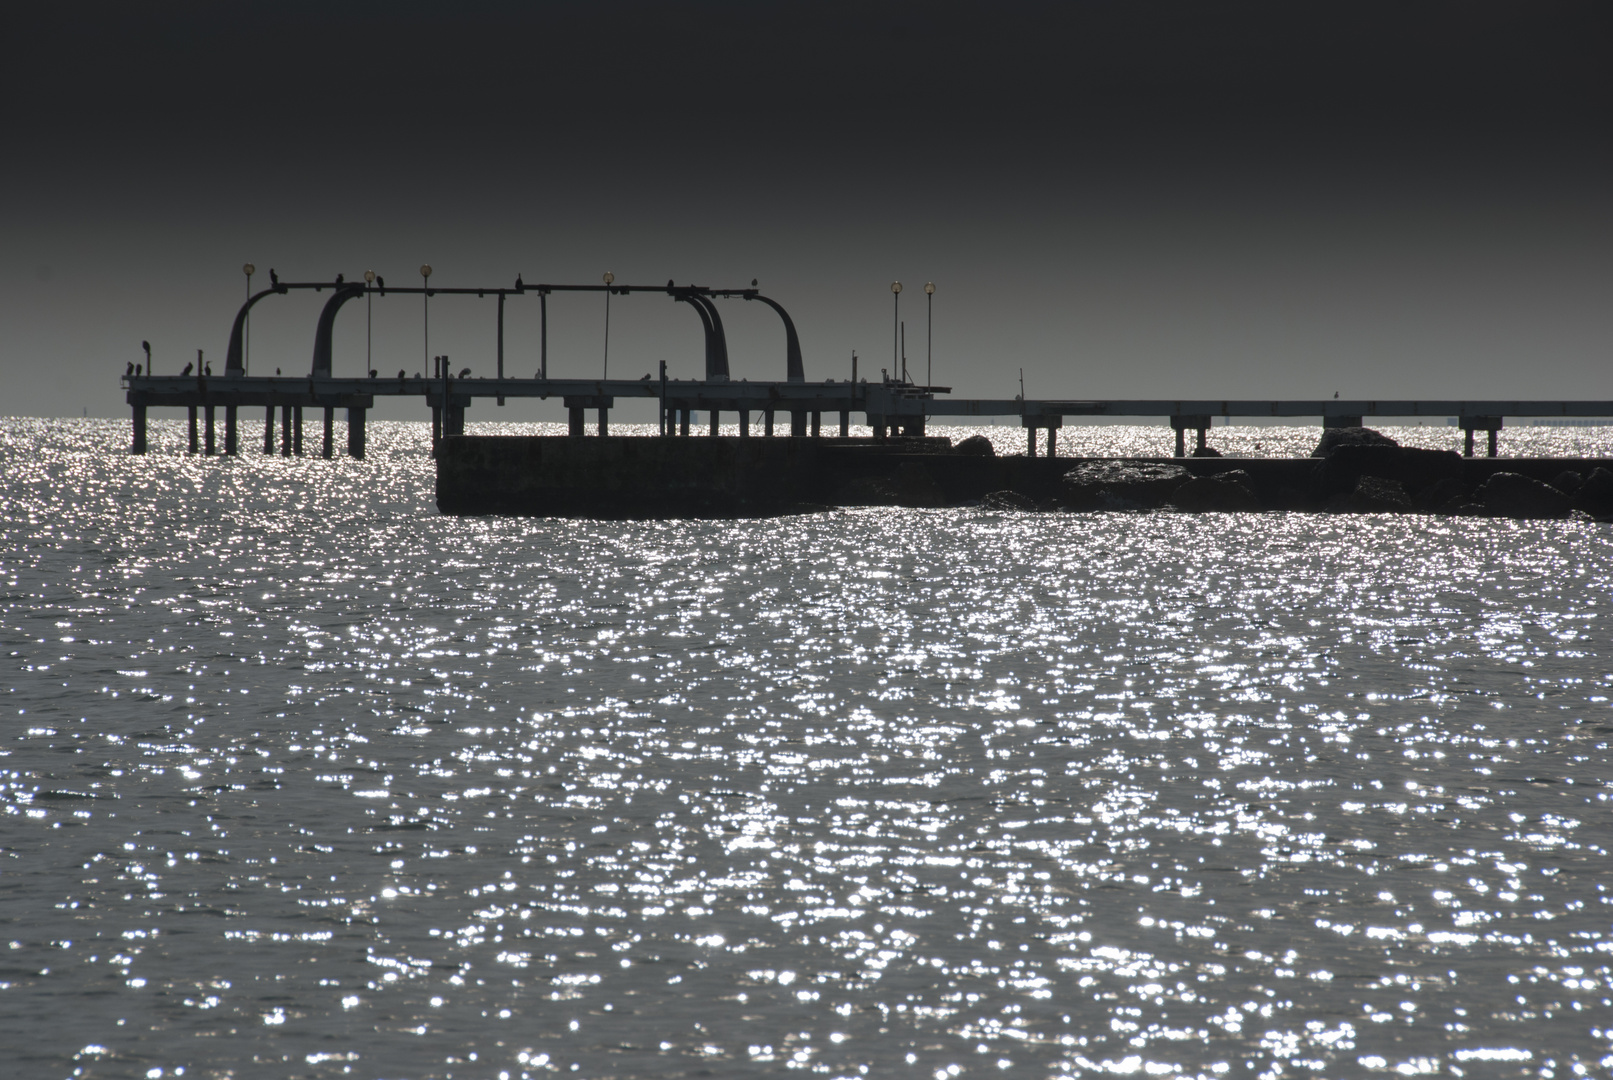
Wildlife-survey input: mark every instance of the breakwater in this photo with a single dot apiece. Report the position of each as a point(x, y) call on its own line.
point(628, 477)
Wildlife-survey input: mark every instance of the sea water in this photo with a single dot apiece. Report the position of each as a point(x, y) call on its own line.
point(300, 778)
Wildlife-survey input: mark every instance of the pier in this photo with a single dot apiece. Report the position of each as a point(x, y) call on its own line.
point(893, 408)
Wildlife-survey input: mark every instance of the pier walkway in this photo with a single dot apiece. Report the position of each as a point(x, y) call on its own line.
point(890, 407)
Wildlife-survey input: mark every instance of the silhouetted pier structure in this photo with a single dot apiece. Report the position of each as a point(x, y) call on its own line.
point(892, 408)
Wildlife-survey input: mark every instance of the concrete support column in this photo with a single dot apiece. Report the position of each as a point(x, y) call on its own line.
point(1493, 434)
point(683, 423)
point(232, 436)
point(845, 423)
point(1202, 434)
point(330, 430)
point(577, 421)
point(817, 424)
point(1032, 448)
point(138, 446)
point(604, 421)
point(296, 434)
point(355, 433)
point(798, 424)
point(285, 431)
point(268, 429)
point(192, 410)
point(1052, 442)
point(744, 423)
point(1181, 442)
point(1467, 442)
point(208, 443)
point(767, 423)
point(714, 422)
point(453, 419)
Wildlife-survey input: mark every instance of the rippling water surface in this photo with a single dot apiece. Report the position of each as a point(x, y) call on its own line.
point(299, 778)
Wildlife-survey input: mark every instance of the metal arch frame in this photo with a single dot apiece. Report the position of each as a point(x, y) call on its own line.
point(327, 324)
point(794, 370)
point(233, 364)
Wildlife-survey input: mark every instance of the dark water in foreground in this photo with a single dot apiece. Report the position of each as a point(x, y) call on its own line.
point(298, 778)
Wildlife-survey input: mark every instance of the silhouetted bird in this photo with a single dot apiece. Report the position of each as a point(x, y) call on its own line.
point(208, 369)
point(645, 379)
point(338, 279)
point(1335, 395)
point(669, 283)
point(137, 369)
point(381, 281)
point(401, 375)
point(128, 369)
point(277, 371)
point(518, 284)
point(188, 366)
point(372, 373)
point(274, 278)
point(753, 283)
point(465, 374)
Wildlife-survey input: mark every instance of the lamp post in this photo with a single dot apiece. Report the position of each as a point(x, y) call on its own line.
point(896, 326)
point(425, 310)
point(246, 330)
point(609, 277)
point(929, 332)
point(369, 318)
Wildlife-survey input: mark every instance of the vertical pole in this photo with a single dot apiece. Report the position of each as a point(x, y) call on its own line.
point(929, 335)
point(684, 424)
point(501, 341)
point(207, 431)
point(543, 334)
point(330, 429)
point(714, 422)
point(744, 423)
point(606, 372)
point(845, 423)
point(268, 429)
point(285, 431)
point(903, 336)
point(1202, 433)
point(1181, 442)
point(139, 445)
point(355, 433)
point(1052, 442)
point(896, 324)
point(1032, 433)
point(232, 437)
point(296, 435)
point(767, 422)
point(192, 410)
point(369, 325)
point(1467, 449)
point(817, 423)
point(604, 421)
point(664, 420)
point(1494, 433)
point(436, 427)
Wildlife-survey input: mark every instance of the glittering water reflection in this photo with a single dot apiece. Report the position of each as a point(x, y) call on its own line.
point(302, 778)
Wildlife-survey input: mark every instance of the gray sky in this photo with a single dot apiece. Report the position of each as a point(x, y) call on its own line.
point(1124, 200)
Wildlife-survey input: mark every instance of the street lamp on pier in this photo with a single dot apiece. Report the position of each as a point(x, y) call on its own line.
point(609, 277)
point(425, 310)
point(896, 326)
point(369, 318)
point(929, 333)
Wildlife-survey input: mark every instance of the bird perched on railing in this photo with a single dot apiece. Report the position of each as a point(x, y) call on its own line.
point(188, 366)
point(208, 369)
point(338, 279)
point(465, 374)
point(274, 278)
point(401, 375)
point(128, 369)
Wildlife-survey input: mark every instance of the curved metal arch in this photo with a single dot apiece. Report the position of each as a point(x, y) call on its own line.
point(327, 324)
point(232, 359)
point(716, 340)
point(794, 371)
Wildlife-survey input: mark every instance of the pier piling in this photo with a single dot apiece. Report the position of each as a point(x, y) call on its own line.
point(208, 432)
point(139, 444)
point(296, 435)
point(575, 413)
point(232, 438)
point(355, 433)
point(191, 410)
point(268, 429)
point(285, 431)
point(330, 425)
